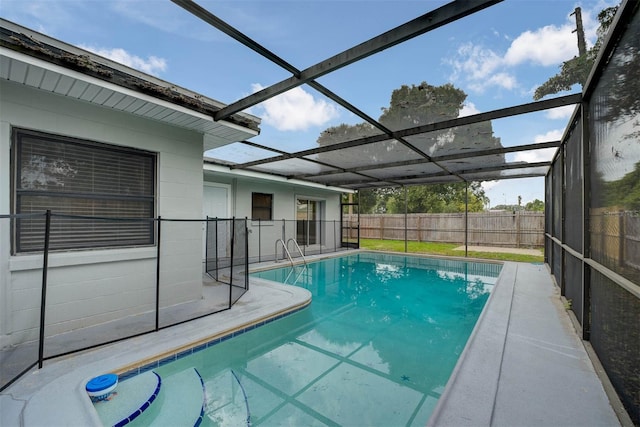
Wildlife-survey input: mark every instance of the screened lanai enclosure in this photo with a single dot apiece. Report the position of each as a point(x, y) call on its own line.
point(419, 139)
point(592, 243)
point(432, 134)
point(593, 211)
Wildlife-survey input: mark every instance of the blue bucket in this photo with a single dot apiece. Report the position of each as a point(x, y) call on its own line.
point(101, 387)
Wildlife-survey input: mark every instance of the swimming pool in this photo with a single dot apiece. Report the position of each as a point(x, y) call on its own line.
point(375, 347)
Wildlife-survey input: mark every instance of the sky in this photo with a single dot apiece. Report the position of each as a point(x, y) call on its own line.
point(497, 56)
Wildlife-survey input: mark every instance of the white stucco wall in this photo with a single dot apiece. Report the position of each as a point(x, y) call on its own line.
point(90, 287)
point(285, 196)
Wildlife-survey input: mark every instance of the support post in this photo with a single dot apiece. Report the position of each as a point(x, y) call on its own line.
point(43, 294)
point(586, 218)
point(216, 242)
point(246, 253)
point(284, 230)
point(358, 242)
point(562, 154)
point(233, 238)
point(518, 229)
point(466, 219)
point(406, 205)
point(158, 275)
point(621, 238)
point(206, 245)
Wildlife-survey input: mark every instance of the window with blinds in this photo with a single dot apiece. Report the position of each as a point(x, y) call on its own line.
point(99, 195)
point(261, 206)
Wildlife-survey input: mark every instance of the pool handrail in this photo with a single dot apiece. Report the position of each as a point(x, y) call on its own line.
point(285, 250)
point(297, 247)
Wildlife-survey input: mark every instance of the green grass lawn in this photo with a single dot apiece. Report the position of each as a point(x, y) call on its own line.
point(434, 248)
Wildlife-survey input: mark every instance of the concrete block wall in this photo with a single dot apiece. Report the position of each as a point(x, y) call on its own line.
point(284, 207)
point(91, 287)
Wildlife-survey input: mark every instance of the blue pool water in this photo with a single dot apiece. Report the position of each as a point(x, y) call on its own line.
point(375, 347)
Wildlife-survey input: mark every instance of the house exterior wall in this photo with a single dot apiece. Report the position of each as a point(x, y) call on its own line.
point(284, 196)
point(284, 199)
point(262, 241)
point(87, 287)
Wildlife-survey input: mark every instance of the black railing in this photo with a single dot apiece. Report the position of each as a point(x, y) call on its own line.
point(314, 237)
point(106, 296)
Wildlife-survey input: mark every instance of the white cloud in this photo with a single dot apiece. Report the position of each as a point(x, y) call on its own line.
point(481, 68)
point(552, 135)
point(546, 46)
point(488, 185)
point(560, 112)
point(477, 62)
point(295, 110)
point(501, 80)
point(151, 65)
point(543, 155)
point(468, 109)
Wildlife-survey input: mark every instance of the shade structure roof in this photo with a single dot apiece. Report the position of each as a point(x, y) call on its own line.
point(426, 154)
point(386, 151)
point(408, 144)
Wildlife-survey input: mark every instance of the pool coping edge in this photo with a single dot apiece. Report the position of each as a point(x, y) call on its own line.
point(469, 396)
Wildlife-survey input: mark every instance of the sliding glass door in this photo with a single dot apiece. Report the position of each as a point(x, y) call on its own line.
point(307, 222)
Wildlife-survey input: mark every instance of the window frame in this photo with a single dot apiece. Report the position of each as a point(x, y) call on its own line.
point(309, 231)
point(268, 209)
point(116, 202)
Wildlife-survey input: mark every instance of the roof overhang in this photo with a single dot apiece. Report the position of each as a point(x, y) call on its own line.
point(220, 169)
point(36, 61)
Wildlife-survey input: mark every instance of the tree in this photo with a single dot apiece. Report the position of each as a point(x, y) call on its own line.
point(625, 192)
point(374, 200)
point(621, 81)
point(576, 70)
point(437, 198)
point(535, 206)
point(412, 106)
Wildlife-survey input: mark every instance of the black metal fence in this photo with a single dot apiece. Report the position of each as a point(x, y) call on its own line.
point(593, 212)
point(60, 302)
point(226, 254)
point(266, 239)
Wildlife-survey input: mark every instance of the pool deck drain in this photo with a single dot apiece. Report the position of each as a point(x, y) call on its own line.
point(524, 364)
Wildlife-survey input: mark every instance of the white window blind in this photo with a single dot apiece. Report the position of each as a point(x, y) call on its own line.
point(99, 195)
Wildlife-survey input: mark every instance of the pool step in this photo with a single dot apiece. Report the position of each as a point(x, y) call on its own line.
point(149, 399)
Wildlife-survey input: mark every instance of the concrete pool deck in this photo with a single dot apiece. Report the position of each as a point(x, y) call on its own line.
point(497, 249)
point(524, 364)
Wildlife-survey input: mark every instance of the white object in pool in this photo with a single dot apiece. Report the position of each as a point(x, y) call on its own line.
point(100, 387)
